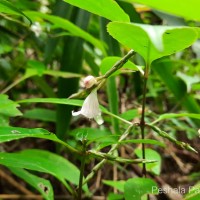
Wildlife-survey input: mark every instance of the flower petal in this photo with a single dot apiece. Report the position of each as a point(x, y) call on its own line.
point(99, 119)
point(76, 113)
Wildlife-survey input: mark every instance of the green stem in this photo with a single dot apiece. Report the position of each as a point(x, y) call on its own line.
point(114, 147)
point(82, 171)
point(142, 121)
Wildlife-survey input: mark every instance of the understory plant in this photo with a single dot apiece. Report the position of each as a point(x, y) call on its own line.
point(126, 46)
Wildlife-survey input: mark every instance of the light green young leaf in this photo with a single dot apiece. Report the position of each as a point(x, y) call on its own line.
point(43, 161)
point(64, 24)
point(135, 188)
point(8, 107)
point(104, 8)
point(108, 62)
point(119, 185)
point(42, 185)
point(153, 42)
point(188, 10)
point(150, 154)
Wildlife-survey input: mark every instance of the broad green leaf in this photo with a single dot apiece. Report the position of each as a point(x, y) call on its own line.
point(144, 141)
point(175, 115)
point(135, 188)
point(43, 161)
point(105, 8)
point(119, 185)
point(64, 24)
point(150, 154)
point(14, 133)
point(183, 8)
point(153, 42)
point(8, 107)
point(113, 196)
point(108, 62)
point(41, 114)
point(8, 8)
point(193, 193)
point(42, 185)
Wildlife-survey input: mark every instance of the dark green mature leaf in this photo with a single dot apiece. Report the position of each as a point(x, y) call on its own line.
point(135, 188)
point(8, 107)
point(8, 8)
point(188, 10)
point(42, 185)
point(43, 161)
point(59, 22)
point(153, 42)
point(108, 9)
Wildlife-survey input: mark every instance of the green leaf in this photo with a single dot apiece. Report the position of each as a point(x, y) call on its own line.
point(113, 196)
point(135, 188)
point(153, 42)
point(42, 185)
point(43, 161)
point(105, 8)
point(130, 114)
point(119, 185)
point(8, 107)
point(41, 114)
point(108, 62)
point(175, 115)
point(8, 8)
point(193, 193)
point(59, 22)
point(151, 155)
point(188, 10)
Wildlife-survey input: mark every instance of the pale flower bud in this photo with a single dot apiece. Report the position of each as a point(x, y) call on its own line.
point(89, 81)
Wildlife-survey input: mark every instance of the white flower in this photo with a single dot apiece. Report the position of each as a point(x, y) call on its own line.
point(89, 81)
point(90, 108)
point(36, 28)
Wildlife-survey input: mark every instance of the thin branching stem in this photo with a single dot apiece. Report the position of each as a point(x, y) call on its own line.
point(142, 121)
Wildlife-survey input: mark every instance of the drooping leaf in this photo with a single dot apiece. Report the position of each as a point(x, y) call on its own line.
point(105, 8)
point(43, 161)
point(135, 188)
point(66, 25)
point(150, 154)
point(153, 42)
point(42, 185)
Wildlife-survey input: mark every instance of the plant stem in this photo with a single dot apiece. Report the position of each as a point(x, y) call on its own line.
point(82, 171)
point(142, 122)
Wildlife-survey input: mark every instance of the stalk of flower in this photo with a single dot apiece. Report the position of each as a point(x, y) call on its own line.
point(90, 107)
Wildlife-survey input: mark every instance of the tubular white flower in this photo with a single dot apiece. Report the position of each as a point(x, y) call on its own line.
point(90, 108)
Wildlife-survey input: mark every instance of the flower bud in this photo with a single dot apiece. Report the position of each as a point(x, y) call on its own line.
point(89, 81)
